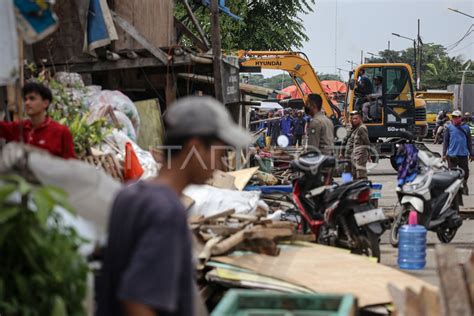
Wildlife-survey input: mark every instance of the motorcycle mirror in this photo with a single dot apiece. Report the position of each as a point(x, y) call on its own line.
point(283, 141)
point(341, 132)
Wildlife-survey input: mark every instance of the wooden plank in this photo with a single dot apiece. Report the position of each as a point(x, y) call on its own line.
point(412, 304)
point(453, 286)
point(220, 230)
point(217, 51)
point(222, 180)
point(398, 299)
point(245, 217)
point(182, 29)
point(133, 32)
point(229, 243)
point(469, 271)
point(430, 302)
point(330, 270)
point(151, 124)
point(155, 21)
point(125, 10)
point(268, 233)
point(170, 89)
point(216, 216)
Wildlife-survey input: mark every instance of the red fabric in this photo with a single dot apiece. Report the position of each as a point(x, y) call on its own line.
point(333, 86)
point(50, 135)
point(294, 92)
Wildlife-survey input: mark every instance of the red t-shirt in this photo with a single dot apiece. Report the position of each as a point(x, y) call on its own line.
point(50, 135)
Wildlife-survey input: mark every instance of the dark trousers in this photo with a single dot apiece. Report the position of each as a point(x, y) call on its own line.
point(298, 140)
point(461, 162)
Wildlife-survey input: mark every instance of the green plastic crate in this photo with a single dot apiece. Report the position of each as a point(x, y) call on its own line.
point(264, 303)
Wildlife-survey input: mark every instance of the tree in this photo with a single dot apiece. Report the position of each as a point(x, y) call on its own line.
point(280, 81)
point(443, 72)
point(438, 69)
point(265, 25)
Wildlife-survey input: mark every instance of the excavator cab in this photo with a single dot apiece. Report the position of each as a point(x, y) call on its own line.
point(385, 96)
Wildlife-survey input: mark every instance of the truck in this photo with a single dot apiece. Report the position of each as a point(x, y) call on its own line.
point(436, 101)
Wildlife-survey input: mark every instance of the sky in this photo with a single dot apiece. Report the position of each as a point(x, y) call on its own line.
point(368, 25)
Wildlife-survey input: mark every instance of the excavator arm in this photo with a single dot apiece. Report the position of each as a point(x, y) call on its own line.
point(297, 65)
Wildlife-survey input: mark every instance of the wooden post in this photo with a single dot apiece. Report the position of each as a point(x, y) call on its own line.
point(170, 89)
point(216, 50)
point(454, 290)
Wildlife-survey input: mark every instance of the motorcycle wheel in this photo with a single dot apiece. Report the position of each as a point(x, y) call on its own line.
point(401, 220)
point(446, 235)
point(368, 245)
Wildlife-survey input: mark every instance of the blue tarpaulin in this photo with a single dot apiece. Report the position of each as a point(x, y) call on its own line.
point(35, 19)
point(100, 30)
point(222, 8)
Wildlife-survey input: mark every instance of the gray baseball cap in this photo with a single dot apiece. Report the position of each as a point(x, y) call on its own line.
point(204, 116)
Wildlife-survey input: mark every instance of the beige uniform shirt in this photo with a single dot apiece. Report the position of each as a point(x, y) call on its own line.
point(321, 134)
point(357, 147)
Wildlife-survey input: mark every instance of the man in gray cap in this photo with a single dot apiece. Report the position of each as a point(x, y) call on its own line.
point(148, 266)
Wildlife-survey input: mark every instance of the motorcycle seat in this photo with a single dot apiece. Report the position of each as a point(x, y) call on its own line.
point(444, 179)
point(335, 193)
point(312, 161)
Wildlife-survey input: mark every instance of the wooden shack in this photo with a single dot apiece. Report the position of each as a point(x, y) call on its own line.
point(152, 18)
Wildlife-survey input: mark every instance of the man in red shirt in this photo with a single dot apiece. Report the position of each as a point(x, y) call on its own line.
point(40, 130)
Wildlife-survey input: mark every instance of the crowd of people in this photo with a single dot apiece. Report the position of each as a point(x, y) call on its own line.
point(289, 122)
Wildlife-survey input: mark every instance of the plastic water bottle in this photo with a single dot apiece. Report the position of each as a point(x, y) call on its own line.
point(412, 244)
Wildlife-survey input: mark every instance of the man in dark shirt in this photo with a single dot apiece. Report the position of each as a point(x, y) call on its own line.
point(39, 130)
point(148, 266)
point(299, 124)
point(364, 85)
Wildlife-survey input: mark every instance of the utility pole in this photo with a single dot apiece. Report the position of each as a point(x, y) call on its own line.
point(361, 56)
point(389, 45)
point(216, 50)
point(335, 41)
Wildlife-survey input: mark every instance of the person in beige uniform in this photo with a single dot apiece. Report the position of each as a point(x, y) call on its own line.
point(357, 146)
point(320, 129)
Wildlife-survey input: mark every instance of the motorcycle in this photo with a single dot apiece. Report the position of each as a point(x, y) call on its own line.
point(435, 194)
point(338, 215)
point(438, 132)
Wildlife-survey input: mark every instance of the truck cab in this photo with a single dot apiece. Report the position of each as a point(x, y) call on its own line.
point(436, 101)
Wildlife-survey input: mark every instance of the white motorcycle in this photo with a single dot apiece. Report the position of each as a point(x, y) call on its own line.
point(435, 194)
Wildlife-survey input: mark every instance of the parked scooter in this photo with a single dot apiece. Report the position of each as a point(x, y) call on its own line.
point(439, 133)
point(339, 215)
point(435, 194)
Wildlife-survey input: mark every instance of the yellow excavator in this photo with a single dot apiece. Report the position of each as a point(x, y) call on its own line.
point(298, 67)
point(392, 112)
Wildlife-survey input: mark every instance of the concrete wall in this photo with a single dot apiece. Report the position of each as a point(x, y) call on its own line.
point(468, 99)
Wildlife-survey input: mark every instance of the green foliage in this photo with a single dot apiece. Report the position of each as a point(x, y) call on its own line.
point(266, 24)
point(41, 272)
point(438, 69)
point(280, 81)
point(68, 108)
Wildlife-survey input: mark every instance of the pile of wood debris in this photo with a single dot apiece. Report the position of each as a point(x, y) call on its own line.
point(227, 231)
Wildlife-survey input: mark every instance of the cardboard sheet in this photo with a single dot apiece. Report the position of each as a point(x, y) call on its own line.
point(242, 177)
point(330, 270)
